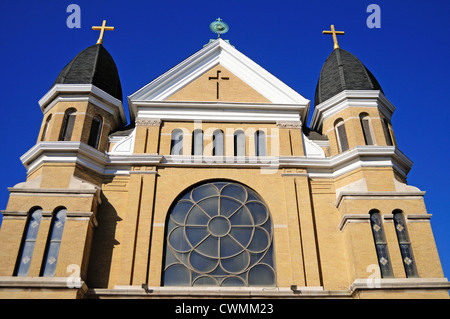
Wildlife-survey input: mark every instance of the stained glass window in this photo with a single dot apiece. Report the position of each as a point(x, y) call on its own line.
point(380, 244)
point(52, 250)
point(405, 245)
point(29, 242)
point(219, 234)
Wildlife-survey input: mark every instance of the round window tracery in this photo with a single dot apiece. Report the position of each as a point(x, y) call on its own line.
point(219, 234)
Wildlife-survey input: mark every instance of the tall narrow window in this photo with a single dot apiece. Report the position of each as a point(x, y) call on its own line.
point(45, 130)
point(366, 128)
point(218, 143)
point(197, 142)
point(176, 144)
point(54, 243)
point(405, 244)
point(28, 243)
point(387, 132)
point(68, 124)
point(380, 244)
point(260, 143)
point(341, 135)
point(239, 143)
point(96, 131)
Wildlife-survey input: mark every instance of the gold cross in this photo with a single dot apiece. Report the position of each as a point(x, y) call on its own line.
point(218, 79)
point(334, 33)
point(102, 30)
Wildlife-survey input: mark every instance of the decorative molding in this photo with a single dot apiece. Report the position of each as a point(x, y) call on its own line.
point(42, 282)
point(311, 149)
point(217, 111)
point(148, 122)
point(83, 92)
point(417, 218)
point(351, 98)
point(124, 145)
point(399, 283)
point(377, 196)
point(293, 125)
point(353, 218)
point(120, 164)
point(365, 284)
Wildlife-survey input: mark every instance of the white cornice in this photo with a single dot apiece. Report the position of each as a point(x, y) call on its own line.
point(218, 52)
point(83, 92)
point(351, 98)
point(110, 164)
point(218, 111)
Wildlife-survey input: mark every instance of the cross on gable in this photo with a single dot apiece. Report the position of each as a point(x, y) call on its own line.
point(218, 78)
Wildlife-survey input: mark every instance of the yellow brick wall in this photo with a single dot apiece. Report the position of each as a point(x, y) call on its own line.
point(231, 90)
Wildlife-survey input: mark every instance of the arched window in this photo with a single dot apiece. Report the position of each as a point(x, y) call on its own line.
point(96, 131)
point(380, 244)
point(68, 124)
point(341, 135)
point(197, 142)
point(176, 144)
point(45, 130)
point(387, 132)
point(218, 143)
point(219, 234)
point(366, 126)
point(54, 243)
point(405, 244)
point(260, 143)
point(239, 143)
point(28, 242)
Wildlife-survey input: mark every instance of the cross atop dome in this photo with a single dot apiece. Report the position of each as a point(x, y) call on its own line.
point(102, 29)
point(334, 33)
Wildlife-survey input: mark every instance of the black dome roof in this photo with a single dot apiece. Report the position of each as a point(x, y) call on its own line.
point(94, 65)
point(343, 71)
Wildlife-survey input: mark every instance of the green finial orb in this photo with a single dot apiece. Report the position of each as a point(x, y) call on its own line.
point(219, 27)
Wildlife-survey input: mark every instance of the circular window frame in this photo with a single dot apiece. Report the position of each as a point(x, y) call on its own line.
point(224, 258)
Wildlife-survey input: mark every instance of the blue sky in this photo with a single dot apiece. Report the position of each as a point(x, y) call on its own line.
point(408, 55)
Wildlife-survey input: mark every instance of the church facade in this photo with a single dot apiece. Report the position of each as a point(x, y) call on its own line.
point(217, 188)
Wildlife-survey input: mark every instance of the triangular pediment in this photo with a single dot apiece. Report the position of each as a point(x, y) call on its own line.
point(193, 80)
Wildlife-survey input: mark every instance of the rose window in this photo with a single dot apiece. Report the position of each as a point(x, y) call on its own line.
point(219, 234)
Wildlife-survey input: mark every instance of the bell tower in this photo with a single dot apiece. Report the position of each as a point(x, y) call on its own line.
point(350, 105)
point(50, 218)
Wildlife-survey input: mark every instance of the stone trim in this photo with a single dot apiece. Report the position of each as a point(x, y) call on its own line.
point(148, 122)
point(353, 218)
point(406, 284)
point(296, 124)
point(42, 282)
